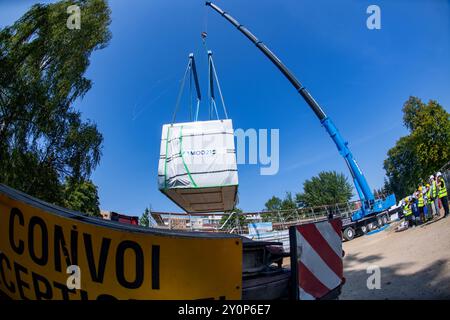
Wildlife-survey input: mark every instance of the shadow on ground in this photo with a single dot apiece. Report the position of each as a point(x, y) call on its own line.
point(431, 282)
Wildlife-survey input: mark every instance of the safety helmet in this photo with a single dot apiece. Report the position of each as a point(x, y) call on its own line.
point(428, 185)
point(431, 177)
point(438, 174)
point(420, 188)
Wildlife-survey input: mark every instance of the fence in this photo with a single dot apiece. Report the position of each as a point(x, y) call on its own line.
point(237, 222)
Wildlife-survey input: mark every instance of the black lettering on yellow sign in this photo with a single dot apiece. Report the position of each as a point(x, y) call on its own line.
point(15, 213)
point(42, 288)
point(38, 250)
point(97, 270)
point(38, 242)
point(155, 267)
point(4, 263)
point(38, 223)
point(139, 263)
point(60, 245)
point(21, 284)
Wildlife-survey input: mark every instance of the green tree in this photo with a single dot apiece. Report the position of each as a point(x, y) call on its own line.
point(328, 187)
point(144, 220)
point(43, 140)
point(288, 202)
point(421, 153)
point(275, 205)
point(81, 196)
point(272, 205)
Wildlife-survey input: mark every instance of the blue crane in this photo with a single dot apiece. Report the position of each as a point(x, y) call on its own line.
point(370, 205)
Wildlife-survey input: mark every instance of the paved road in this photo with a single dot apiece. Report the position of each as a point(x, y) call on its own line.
point(414, 264)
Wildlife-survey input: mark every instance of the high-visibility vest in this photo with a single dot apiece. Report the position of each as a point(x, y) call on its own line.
point(442, 188)
point(429, 193)
point(434, 189)
point(420, 202)
point(407, 210)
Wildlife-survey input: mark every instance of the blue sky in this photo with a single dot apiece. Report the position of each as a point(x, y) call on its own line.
point(361, 78)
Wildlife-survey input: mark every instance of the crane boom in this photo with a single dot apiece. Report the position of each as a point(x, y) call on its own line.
point(362, 187)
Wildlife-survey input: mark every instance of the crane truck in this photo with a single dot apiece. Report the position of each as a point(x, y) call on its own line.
point(373, 212)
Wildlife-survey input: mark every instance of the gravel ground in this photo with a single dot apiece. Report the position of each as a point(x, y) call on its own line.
point(414, 264)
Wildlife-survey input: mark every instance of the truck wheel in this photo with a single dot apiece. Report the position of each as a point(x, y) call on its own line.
point(380, 222)
point(364, 229)
point(349, 233)
point(385, 219)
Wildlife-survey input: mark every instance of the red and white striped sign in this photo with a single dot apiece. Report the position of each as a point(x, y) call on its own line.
point(318, 256)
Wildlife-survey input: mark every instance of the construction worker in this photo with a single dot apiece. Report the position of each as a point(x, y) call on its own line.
point(442, 194)
point(425, 203)
point(414, 208)
point(429, 201)
point(432, 196)
point(421, 204)
point(407, 211)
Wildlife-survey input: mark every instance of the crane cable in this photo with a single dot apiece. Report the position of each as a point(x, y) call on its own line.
point(219, 88)
point(212, 73)
point(180, 93)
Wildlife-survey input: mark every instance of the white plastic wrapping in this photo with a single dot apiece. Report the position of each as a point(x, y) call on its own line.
point(197, 166)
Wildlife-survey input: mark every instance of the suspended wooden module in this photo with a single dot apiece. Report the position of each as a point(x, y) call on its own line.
point(197, 167)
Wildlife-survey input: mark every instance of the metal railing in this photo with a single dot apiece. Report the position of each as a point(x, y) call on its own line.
point(238, 222)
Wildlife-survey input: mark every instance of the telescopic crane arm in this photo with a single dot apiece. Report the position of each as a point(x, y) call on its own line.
point(362, 187)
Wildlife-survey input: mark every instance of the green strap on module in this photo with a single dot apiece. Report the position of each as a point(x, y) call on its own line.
point(165, 159)
point(182, 158)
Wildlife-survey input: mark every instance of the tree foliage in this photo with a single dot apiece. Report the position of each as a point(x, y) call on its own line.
point(43, 140)
point(328, 187)
point(277, 204)
point(81, 196)
point(144, 220)
point(273, 204)
point(421, 153)
point(276, 207)
point(288, 202)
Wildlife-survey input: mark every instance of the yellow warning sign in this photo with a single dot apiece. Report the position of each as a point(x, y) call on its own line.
point(47, 252)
